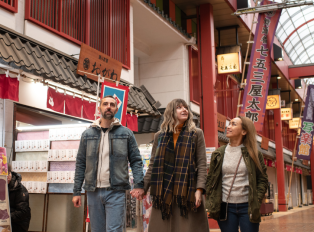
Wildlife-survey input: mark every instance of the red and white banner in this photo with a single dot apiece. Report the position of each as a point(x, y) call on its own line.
point(132, 122)
point(259, 72)
point(121, 94)
point(55, 100)
point(73, 106)
point(9, 88)
point(89, 110)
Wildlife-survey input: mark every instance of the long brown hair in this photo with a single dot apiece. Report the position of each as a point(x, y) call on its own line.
point(171, 121)
point(249, 140)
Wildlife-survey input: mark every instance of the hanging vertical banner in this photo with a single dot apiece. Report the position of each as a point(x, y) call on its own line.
point(121, 94)
point(306, 136)
point(259, 72)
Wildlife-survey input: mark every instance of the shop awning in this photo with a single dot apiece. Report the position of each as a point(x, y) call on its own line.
point(31, 56)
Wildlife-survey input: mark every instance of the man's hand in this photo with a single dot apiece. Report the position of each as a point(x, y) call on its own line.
point(76, 201)
point(137, 193)
point(198, 198)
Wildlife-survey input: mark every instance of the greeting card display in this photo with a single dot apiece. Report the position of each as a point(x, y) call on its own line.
point(62, 155)
point(71, 133)
point(29, 166)
point(35, 186)
point(60, 177)
point(32, 145)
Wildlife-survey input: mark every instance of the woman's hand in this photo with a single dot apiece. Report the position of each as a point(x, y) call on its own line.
point(198, 198)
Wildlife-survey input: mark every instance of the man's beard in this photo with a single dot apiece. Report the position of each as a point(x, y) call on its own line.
point(107, 116)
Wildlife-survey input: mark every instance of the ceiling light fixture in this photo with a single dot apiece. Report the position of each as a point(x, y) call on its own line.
point(279, 77)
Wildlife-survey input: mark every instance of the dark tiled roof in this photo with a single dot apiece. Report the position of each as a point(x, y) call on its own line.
point(22, 52)
point(222, 136)
point(270, 153)
point(152, 124)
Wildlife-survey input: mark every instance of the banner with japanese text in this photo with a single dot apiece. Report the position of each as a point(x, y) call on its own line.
point(259, 72)
point(121, 94)
point(306, 136)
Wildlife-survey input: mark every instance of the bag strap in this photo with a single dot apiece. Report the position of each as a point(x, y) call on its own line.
point(234, 177)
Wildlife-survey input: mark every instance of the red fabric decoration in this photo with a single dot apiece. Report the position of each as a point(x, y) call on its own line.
point(89, 110)
point(55, 100)
point(9, 88)
point(73, 106)
point(131, 122)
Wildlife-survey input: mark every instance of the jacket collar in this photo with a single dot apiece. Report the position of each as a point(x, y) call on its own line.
point(221, 151)
point(96, 124)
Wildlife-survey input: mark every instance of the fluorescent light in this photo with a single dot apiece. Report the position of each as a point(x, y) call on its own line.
point(35, 128)
point(297, 99)
point(278, 77)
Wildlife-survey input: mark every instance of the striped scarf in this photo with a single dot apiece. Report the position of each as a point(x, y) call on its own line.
point(173, 173)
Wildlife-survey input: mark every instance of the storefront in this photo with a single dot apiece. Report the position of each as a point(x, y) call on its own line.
point(53, 108)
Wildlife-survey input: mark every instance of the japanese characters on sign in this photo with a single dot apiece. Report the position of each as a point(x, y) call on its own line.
point(259, 72)
point(229, 63)
point(221, 121)
point(295, 123)
point(273, 102)
point(306, 135)
point(286, 114)
point(93, 63)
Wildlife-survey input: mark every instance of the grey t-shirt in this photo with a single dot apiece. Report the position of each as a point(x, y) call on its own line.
point(240, 189)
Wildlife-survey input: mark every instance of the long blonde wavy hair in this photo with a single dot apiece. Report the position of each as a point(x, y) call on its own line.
point(249, 140)
point(171, 121)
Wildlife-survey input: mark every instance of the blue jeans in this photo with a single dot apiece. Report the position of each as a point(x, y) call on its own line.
point(106, 210)
point(237, 215)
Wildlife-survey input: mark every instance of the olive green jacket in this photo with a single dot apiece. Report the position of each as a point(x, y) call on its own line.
point(258, 183)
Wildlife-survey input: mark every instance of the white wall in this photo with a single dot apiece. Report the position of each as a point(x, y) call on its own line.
point(6, 126)
point(32, 94)
point(164, 73)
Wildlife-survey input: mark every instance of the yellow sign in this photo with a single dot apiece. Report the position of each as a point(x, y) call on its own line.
point(273, 102)
point(228, 63)
point(286, 114)
point(295, 123)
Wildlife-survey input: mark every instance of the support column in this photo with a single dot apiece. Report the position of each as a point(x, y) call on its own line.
point(206, 42)
point(312, 171)
point(282, 206)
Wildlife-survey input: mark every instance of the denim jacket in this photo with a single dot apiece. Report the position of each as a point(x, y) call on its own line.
point(122, 149)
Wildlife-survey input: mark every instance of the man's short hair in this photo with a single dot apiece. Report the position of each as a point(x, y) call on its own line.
point(109, 96)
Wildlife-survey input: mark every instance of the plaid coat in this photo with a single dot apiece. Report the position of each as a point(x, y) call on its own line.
point(176, 222)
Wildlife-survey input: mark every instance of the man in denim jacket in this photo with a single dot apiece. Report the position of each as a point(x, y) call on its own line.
point(102, 160)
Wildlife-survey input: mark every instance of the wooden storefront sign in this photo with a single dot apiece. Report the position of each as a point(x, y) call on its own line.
point(93, 63)
point(264, 143)
point(221, 121)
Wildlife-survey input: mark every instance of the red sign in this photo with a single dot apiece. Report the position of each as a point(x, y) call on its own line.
point(288, 168)
point(259, 72)
point(271, 163)
point(298, 170)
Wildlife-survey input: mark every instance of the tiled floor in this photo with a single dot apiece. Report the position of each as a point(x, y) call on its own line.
point(296, 220)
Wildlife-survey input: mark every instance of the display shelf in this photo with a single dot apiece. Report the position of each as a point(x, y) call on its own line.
point(62, 188)
point(62, 155)
point(32, 145)
point(35, 186)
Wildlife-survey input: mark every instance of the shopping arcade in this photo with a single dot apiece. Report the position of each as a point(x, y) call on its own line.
point(22, 53)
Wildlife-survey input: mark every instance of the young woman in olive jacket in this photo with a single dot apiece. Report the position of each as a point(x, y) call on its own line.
point(249, 183)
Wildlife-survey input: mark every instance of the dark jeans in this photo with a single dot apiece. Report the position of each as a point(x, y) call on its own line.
point(238, 216)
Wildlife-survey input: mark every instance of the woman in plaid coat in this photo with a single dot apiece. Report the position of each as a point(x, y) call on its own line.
point(177, 173)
